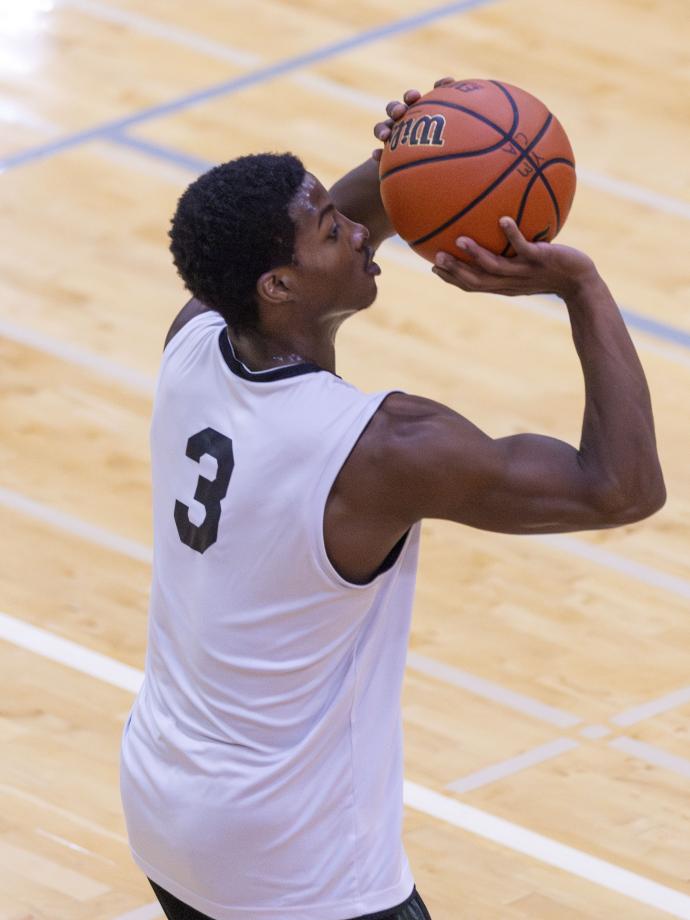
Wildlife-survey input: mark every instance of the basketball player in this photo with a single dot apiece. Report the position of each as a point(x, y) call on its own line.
point(262, 766)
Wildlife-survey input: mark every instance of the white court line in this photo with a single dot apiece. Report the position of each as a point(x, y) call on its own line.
point(75, 526)
point(69, 816)
point(490, 691)
point(141, 553)
point(417, 797)
point(145, 385)
point(64, 842)
point(595, 732)
point(513, 765)
point(549, 851)
point(97, 364)
point(165, 31)
point(505, 768)
point(221, 52)
point(144, 24)
point(616, 563)
point(70, 845)
point(636, 193)
point(652, 754)
point(431, 667)
point(448, 674)
point(653, 707)
point(69, 653)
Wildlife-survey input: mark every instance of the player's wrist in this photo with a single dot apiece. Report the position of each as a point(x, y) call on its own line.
point(581, 285)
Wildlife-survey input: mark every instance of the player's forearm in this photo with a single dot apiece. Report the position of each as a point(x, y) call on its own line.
point(618, 446)
point(357, 196)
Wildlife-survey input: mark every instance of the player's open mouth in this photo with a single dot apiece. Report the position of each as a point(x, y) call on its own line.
point(370, 267)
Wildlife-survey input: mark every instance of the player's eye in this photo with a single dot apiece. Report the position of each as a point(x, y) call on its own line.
point(333, 234)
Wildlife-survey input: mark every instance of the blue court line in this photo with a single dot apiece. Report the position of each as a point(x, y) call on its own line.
point(653, 327)
point(639, 321)
point(261, 75)
point(159, 152)
point(656, 328)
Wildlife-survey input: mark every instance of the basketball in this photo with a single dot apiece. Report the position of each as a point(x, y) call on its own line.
point(469, 153)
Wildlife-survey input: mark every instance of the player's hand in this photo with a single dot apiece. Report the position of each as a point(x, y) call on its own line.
point(536, 268)
point(395, 111)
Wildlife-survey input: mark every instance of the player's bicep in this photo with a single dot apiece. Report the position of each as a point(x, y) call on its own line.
point(531, 483)
point(520, 484)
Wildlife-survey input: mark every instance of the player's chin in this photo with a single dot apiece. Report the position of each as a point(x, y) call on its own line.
point(371, 295)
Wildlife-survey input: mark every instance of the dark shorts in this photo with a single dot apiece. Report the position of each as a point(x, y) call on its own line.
point(411, 909)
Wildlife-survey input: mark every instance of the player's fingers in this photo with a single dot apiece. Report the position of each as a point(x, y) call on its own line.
point(396, 109)
point(485, 259)
point(449, 277)
point(514, 236)
point(471, 276)
point(382, 130)
point(444, 81)
point(376, 154)
point(411, 96)
point(453, 271)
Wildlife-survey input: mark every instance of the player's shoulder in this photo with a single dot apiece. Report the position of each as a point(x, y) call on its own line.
point(190, 311)
point(394, 458)
point(401, 429)
point(403, 416)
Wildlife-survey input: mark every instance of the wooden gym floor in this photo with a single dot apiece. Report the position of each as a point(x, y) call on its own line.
point(547, 697)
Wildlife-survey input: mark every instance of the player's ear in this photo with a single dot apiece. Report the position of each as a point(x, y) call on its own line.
point(276, 286)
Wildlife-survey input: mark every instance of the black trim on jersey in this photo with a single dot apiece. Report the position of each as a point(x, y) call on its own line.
point(411, 909)
point(269, 375)
point(389, 561)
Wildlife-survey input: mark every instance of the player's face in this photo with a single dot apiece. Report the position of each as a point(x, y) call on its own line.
point(333, 260)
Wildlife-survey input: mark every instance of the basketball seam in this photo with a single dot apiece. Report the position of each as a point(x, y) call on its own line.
point(530, 184)
point(520, 211)
point(490, 188)
point(538, 169)
point(444, 158)
point(539, 175)
point(462, 108)
point(473, 153)
point(506, 138)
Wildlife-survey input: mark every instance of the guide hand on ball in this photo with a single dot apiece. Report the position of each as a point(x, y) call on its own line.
point(395, 111)
point(458, 158)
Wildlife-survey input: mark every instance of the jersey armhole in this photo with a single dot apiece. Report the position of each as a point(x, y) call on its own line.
point(325, 485)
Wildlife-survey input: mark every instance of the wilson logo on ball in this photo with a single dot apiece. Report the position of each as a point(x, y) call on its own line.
point(423, 131)
point(467, 153)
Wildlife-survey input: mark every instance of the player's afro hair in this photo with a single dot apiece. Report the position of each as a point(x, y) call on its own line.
point(232, 225)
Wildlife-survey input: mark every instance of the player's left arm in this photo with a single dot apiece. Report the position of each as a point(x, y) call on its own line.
point(191, 309)
point(357, 194)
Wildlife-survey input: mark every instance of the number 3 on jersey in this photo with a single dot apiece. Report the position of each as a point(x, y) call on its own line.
point(209, 492)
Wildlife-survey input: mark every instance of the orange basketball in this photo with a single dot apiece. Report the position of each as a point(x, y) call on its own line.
point(467, 154)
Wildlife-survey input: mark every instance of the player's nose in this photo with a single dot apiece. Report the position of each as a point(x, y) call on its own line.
point(360, 235)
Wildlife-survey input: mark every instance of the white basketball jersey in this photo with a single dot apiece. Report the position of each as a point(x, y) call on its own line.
point(262, 760)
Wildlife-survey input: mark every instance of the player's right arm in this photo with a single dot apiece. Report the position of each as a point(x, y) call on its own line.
point(419, 459)
point(532, 483)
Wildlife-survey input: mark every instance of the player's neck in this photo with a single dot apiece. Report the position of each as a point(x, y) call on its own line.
point(261, 352)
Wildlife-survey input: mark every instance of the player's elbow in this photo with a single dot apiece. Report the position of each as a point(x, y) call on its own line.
point(655, 496)
point(619, 504)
